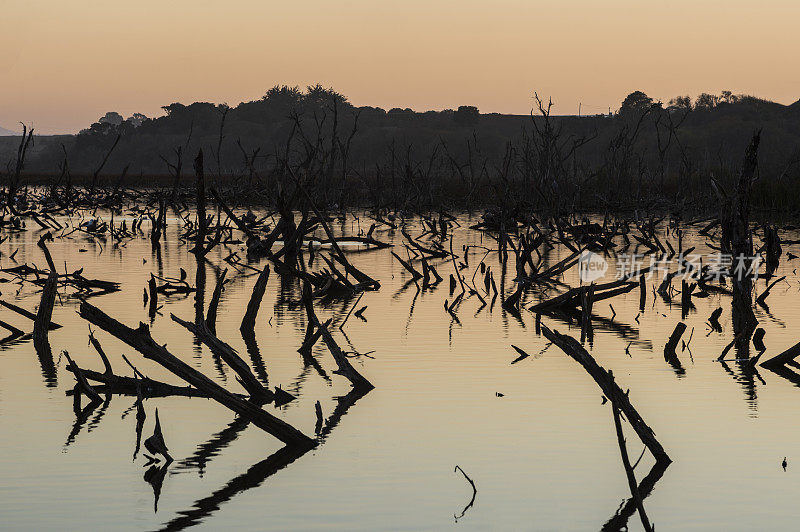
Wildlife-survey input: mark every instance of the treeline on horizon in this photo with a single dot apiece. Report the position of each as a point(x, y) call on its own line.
point(646, 152)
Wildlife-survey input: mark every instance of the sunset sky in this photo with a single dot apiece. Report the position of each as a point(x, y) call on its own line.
point(64, 63)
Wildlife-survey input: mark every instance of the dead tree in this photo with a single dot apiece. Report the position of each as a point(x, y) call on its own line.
point(612, 391)
point(96, 174)
point(22, 150)
point(141, 340)
point(737, 241)
point(229, 355)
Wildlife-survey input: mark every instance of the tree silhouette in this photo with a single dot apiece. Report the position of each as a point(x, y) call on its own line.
point(706, 101)
point(635, 103)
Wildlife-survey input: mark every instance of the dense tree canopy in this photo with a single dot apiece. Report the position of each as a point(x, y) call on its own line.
point(635, 103)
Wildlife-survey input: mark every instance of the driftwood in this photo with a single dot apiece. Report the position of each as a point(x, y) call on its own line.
point(42, 243)
point(118, 384)
point(432, 253)
point(612, 391)
point(571, 299)
point(74, 279)
point(344, 367)
point(101, 352)
point(556, 269)
point(229, 355)
point(141, 340)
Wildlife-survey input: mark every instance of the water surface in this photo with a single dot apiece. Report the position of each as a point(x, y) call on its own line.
point(543, 455)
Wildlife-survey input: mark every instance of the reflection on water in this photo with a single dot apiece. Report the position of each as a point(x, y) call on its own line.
point(536, 437)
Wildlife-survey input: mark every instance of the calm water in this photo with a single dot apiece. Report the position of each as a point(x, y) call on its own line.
point(544, 456)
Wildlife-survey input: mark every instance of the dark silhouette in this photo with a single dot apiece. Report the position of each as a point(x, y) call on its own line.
point(648, 150)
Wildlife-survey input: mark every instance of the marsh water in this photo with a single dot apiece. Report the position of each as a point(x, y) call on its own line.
point(534, 436)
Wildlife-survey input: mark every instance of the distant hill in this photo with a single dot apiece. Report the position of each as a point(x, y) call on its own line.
point(646, 146)
point(7, 132)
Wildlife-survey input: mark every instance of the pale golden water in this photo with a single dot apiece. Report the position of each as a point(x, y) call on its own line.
point(544, 456)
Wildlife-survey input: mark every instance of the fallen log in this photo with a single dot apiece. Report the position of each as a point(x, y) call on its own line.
point(407, 265)
point(119, 384)
point(571, 299)
point(344, 367)
point(141, 340)
point(229, 355)
point(612, 391)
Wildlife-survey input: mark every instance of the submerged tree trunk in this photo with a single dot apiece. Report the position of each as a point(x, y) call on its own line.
point(737, 241)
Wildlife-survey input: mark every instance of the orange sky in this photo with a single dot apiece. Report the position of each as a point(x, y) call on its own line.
point(64, 63)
